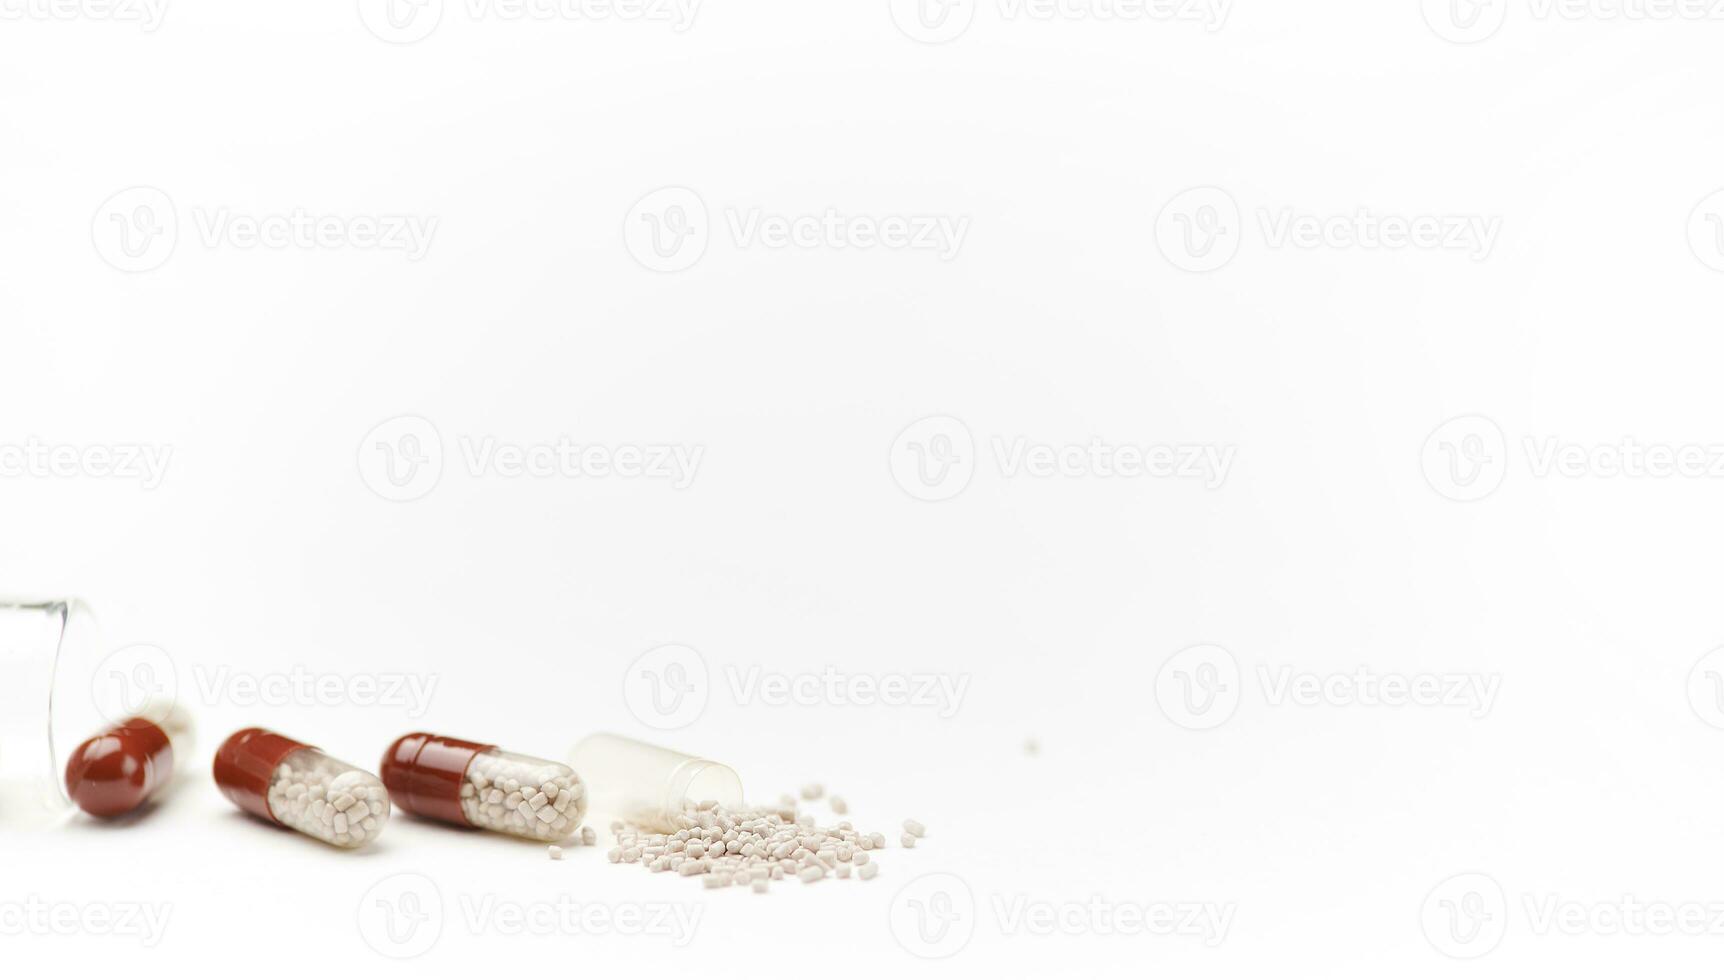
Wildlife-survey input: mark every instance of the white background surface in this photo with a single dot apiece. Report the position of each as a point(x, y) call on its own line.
point(1340, 540)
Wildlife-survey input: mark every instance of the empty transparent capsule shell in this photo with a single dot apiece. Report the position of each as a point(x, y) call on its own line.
point(295, 785)
point(651, 786)
point(472, 784)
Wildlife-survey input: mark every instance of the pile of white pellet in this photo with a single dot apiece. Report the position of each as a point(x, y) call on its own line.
point(329, 800)
point(754, 846)
point(509, 794)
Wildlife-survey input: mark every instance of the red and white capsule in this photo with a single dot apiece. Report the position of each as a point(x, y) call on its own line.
point(292, 784)
point(471, 784)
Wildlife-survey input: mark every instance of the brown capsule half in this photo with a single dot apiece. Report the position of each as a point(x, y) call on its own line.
point(423, 773)
point(121, 769)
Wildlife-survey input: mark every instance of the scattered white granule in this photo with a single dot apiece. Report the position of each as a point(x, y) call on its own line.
point(839, 806)
point(328, 800)
point(908, 840)
point(589, 836)
point(915, 828)
point(556, 853)
point(523, 796)
point(813, 791)
point(750, 846)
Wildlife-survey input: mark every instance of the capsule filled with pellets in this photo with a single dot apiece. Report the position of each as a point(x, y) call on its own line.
point(295, 785)
point(472, 784)
point(118, 770)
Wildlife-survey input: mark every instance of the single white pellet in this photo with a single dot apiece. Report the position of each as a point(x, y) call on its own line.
point(556, 853)
point(867, 871)
point(861, 858)
point(717, 879)
point(759, 886)
point(908, 840)
point(812, 873)
point(614, 855)
point(588, 836)
point(842, 871)
point(813, 791)
point(839, 806)
point(916, 828)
